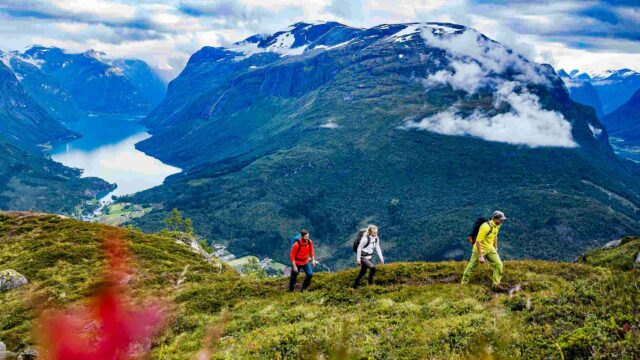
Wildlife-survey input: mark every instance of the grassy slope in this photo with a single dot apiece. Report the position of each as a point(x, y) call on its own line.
point(415, 310)
point(621, 257)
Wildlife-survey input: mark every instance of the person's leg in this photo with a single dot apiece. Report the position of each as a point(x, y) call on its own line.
point(471, 266)
point(308, 271)
point(292, 280)
point(372, 269)
point(363, 270)
point(496, 263)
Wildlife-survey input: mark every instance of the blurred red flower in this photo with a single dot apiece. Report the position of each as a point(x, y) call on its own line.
point(111, 327)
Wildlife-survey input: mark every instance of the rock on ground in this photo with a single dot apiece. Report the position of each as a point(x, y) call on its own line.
point(11, 279)
point(28, 354)
point(612, 244)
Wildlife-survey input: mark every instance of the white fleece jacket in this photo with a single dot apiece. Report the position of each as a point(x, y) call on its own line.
point(367, 251)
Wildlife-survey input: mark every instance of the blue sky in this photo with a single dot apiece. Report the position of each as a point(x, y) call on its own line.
point(591, 35)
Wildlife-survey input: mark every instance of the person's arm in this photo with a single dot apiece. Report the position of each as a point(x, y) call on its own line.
point(313, 257)
point(363, 240)
point(495, 242)
point(379, 251)
point(482, 234)
point(292, 256)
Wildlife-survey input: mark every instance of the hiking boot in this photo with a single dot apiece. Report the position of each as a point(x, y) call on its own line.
point(499, 288)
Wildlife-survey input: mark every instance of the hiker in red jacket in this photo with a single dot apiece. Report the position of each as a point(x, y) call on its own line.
point(301, 252)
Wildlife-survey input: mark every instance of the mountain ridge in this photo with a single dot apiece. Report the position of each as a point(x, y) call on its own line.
point(93, 81)
point(624, 122)
point(614, 87)
point(385, 128)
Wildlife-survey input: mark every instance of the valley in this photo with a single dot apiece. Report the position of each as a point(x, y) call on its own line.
point(406, 139)
point(106, 149)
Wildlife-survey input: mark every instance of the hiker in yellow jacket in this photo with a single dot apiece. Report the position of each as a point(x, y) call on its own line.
point(486, 248)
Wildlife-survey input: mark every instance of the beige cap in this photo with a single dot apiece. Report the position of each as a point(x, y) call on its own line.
point(499, 215)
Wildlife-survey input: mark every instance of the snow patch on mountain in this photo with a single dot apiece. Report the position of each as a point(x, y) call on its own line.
point(331, 124)
point(595, 131)
point(6, 59)
point(613, 75)
point(526, 123)
point(421, 28)
point(114, 71)
point(98, 55)
point(282, 45)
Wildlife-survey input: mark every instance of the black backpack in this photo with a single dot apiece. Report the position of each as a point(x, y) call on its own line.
point(476, 228)
point(356, 241)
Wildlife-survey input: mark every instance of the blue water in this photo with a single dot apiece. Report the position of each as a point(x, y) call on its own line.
point(630, 152)
point(107, 150)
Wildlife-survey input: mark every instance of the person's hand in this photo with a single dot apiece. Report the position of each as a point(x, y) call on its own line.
point(481, 259)
point(313, 263)
point(358, 263)
point(381, 261)
point(295, 269)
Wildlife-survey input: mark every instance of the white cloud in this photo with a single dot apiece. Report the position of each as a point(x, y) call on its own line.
point(591, 61)
point(108, 10)
point(465, 76)
point(525, 124)
point(474, 58)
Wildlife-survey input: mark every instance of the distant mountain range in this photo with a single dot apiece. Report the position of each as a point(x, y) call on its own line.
point(66, 83)
point(419, 128)
point(625, 121)
point(41, 89)
point(605, 91)
point(23, 122)
point(618, 109)
point(29, 180)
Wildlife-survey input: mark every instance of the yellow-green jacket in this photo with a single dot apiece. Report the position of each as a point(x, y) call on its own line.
point(486, 235)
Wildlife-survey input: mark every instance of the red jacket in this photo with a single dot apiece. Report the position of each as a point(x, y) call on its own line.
point(301, 251)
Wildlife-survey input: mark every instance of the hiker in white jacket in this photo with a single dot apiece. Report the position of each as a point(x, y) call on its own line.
point(364, 255)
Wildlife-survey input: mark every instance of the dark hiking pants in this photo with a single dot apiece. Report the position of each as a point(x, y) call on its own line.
point(366, 264)
point(308, 271)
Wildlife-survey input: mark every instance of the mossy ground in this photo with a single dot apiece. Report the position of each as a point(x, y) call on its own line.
point(414, 311)
point(621, 257)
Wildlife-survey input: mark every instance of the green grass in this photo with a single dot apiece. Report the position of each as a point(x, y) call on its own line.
point(414, 310)
point(620, 257)
point(119, 213)
point(242, 261)
point(245, 259)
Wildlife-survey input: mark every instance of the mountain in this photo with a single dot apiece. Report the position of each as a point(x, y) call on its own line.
point(415, 310)
point(43, 89)
point(582, 91)
point(624, 122)
point(614, 87)
point(23, 122)
point(97, 83)
point(29, 180)
point(151, 87)
point(419, 128)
